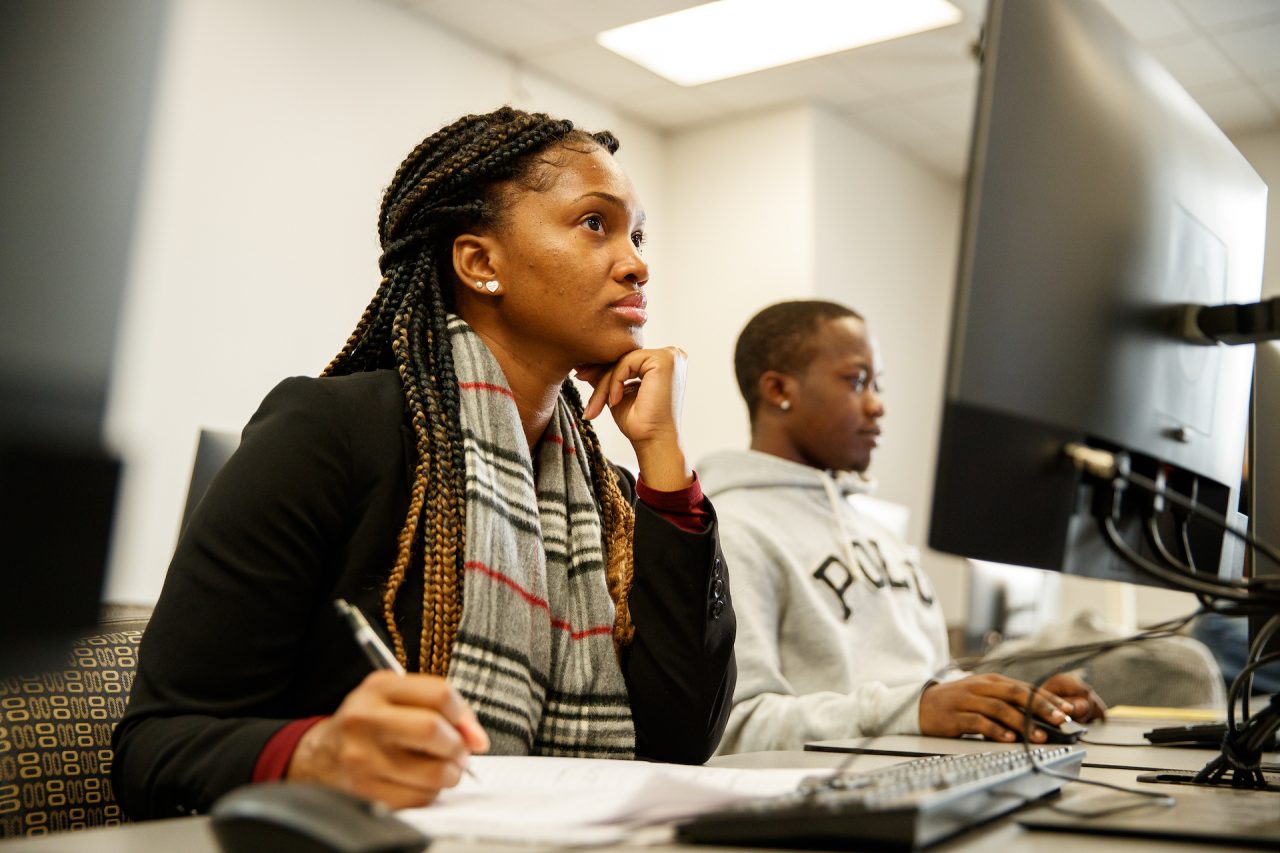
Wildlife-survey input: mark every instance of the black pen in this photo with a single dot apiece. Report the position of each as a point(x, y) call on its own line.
point(374, 649)
point(370, 643)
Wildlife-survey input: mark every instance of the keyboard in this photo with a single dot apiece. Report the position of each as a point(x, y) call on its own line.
point(905, 806)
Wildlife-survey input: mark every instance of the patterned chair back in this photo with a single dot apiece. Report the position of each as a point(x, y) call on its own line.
point(55, 735)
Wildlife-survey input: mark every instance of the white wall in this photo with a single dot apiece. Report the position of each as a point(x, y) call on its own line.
point(887, 233)
point(277, 126)
point(738, 237)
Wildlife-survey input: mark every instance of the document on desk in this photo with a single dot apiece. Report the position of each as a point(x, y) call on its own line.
point(1188, 715)
point(582, 801)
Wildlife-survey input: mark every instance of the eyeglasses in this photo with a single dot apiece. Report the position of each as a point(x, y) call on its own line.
point(864, 379)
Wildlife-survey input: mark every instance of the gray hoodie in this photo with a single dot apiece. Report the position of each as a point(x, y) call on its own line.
point(838, 629)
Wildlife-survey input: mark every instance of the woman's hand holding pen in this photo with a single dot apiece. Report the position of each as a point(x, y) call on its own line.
point(397, 739)
point(644, 391)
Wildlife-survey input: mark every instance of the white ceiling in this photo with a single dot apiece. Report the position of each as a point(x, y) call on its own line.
point(916, 92)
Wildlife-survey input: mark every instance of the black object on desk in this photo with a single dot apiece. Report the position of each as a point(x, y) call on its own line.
point(298, 817)
point(1240, 818)
point(1067, 732)
point(1201, 735)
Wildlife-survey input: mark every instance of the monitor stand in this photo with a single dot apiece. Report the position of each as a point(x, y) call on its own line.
point(1240, 763)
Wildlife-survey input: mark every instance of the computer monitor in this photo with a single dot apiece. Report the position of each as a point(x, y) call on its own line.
point(1100, 198)
point(1007, 603)
point(76, 94)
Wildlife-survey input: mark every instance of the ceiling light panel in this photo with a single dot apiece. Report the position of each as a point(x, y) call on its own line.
point(732, 37)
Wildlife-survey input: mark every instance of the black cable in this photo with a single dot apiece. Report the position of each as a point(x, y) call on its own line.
point(1241, 746)
point(1186, 527)
point(1241, 757)
point(1148, 797)
point(1238, 693)
point(1155, 799)
point(831, 780)
point(1242, 685)
point(1213, 518)
point(1202, 586)
point(1157, 545)
point(1208, 603)
point(1227, 608)
point(1168, 628)
point(1234, 758)
point(1160, 630)
point(1093, 650)
point(1114, 467)
point(1218, 589)
point(1186, 564)
point(1263, 638)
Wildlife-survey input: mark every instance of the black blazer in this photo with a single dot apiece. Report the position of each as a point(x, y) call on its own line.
point(245, 639)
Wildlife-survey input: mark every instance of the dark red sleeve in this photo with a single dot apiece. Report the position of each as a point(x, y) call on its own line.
point(687, 508)
point(273, 761)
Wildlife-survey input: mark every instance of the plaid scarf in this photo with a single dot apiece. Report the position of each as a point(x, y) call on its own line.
point(534, 653)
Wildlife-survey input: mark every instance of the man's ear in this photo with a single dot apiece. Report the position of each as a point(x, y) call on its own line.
point(775, 387)
point(474, 257)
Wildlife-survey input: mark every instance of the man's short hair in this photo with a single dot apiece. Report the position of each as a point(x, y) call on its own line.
point(781, 338)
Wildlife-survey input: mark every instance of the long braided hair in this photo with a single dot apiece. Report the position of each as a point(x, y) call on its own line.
point(459, 179)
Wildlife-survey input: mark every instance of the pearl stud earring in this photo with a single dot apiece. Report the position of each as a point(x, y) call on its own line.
point(785, 405)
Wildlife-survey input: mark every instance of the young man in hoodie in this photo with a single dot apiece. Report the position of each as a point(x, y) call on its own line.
point(839, 632)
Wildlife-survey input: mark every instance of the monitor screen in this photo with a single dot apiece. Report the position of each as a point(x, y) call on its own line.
point(1100, 198)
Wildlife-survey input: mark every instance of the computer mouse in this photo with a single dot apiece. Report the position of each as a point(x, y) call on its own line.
point(299, 817)
point(1067, 732)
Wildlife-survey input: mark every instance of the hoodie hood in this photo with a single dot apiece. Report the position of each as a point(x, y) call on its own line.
point(729, 470)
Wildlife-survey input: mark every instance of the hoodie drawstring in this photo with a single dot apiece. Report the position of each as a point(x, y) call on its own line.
point(834, 497)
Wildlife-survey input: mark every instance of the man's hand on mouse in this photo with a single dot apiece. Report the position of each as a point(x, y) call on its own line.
point(991, 705)
point(397, 739)
point(1086, 704)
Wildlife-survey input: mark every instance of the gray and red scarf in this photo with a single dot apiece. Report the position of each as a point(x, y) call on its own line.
point(534, 654)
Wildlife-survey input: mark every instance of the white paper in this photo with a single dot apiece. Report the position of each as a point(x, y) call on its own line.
point(585, 801)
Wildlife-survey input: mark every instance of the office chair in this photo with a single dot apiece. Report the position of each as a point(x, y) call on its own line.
point(55, 734)
point(55, 726)
point(1175, 671)
point(212, 452)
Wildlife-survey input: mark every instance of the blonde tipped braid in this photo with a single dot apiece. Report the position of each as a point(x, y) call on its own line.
point(617, 522)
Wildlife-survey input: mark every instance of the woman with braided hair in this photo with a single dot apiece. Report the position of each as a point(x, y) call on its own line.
point(443, 476)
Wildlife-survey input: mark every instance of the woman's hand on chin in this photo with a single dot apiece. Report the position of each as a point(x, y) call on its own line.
point(644, 391)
